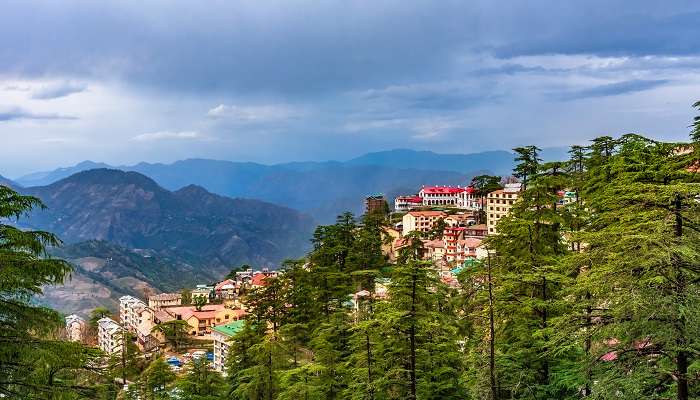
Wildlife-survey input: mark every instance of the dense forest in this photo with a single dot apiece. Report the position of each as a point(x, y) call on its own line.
point(598, 298)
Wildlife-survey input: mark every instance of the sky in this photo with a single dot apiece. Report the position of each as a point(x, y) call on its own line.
point(266, 81)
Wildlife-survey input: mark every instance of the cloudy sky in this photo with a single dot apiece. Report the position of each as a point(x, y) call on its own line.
point(129, 81)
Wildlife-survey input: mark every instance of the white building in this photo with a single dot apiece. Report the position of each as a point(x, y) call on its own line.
point(407, 203)
point(75, 327)
point(138, 318)
point(221, 335)
point(129, 311)
point(109, 336)
point(440, 195)
point(468, 200)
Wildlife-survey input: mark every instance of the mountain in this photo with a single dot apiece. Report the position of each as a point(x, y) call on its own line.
point(7, 182)
point(48, 177)
point(498, 162)
point(104, 271)
point(322, 189)
point(191, 225)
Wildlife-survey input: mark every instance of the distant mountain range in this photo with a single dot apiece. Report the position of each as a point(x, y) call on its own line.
point(322, 189)
point(7, 182)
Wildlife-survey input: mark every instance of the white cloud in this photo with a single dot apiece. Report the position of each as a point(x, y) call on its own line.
point(168, 135)
point(248, 114)
point(58, 89)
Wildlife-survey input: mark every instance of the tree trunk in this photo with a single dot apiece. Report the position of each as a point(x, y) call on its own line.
point(369, 366)
point(492, 340)
point(412, 334)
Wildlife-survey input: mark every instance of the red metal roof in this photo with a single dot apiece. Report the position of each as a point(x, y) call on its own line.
point(442, 190)
point(410, 199)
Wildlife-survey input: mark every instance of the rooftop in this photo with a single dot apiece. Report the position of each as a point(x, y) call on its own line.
point(231, 328)
point(442, 190)
point(427, 213)
point(410, 199)
point(166, 296)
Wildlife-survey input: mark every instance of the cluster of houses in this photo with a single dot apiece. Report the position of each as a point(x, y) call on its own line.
point(457, 210)
point(217, 318)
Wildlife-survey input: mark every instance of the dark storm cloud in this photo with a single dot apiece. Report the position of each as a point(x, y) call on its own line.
point(309, 47)
point(286, 80)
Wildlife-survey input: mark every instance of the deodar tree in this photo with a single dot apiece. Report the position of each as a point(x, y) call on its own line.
point(34, 362)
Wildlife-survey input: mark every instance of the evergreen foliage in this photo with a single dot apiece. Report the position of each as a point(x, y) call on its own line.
point(34, 362)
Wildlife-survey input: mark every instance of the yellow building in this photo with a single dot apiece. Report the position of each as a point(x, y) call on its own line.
point(420, 220)
point(499, 203)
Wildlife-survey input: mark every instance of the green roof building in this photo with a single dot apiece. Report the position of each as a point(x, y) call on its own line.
point(221, 335)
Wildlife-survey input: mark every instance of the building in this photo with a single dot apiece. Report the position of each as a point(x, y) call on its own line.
point(75, 328)
point(227, 289)
point(139, 319)
point(461, 219)
point(159, 301)
point(203, 291)
point(407, 203)
point(375, 203)
point(435, 250)
point(468, 200)
point(129, 311)
point(221, 335)
point(451, 235)
point(109, 336)
point(202, 321)
point(420, 220)
point(447, 196)
point(477, 231)
point(499, 203)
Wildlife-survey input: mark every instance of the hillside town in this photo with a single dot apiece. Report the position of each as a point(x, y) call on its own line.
point(210, 316)
point(449, 221)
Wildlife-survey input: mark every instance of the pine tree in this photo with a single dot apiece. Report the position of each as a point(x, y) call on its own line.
point(34, 363)
point(200, 382)
point(528, 251)
point(695, 132)
point(641, 257)
point(156, 379)
point(420, 354)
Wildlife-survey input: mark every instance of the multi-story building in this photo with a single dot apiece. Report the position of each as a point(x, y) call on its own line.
point(375, 203)
point(407, 203)
point(110, 336)
point(447, 196)
point(161, 300)
point(138, 319)
point(499, 203)
point(477, 231)
point(468, 200)
point(435, 249)
point(203, 291)
point(420, 220)
point(221, 335)
point(130, 311)
point(450, 237)
point(75, 327)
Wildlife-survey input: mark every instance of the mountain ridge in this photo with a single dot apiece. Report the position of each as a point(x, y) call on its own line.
point(133, 211)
